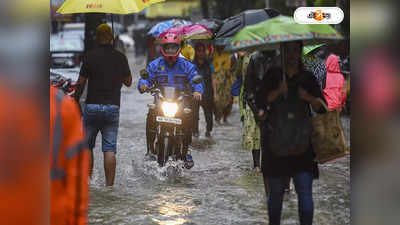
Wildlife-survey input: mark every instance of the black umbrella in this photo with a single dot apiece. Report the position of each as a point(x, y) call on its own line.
point(235, 23)
point(212, 24)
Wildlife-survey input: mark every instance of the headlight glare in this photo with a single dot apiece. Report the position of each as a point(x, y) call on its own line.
point(169, 109)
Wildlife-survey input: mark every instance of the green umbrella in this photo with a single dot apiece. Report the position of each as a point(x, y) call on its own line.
point(269, 34)
point(309, 48)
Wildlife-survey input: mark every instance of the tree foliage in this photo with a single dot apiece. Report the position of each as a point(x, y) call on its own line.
point(325, 3)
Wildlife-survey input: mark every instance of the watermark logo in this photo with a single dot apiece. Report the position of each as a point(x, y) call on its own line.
point(318, 15)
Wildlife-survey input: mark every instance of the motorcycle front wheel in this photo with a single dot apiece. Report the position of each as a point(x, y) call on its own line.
point(162, 153)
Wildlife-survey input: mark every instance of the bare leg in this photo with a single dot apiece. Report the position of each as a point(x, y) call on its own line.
point(109, 167)
point(91, 163)
point(218, 114)
point(256, 159)
point(227, 111)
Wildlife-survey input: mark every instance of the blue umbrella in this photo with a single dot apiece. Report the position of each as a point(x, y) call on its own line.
point(165, 25)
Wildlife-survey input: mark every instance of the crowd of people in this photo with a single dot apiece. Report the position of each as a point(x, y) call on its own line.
point(275, 112)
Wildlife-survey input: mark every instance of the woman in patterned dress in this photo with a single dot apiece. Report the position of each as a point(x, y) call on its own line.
point(251, 135)
point(223, 79)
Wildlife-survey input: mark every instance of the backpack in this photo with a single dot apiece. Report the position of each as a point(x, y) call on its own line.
point(289, 123)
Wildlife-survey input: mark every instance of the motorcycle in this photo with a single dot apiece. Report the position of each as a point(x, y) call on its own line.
point(170, 114)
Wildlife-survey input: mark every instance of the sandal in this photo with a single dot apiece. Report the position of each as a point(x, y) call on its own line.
point(188, 162)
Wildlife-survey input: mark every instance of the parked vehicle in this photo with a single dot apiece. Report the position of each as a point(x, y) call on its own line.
point(73, 30)
point(66, 54)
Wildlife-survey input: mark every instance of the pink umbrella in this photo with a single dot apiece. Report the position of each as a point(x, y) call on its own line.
point(192, 31)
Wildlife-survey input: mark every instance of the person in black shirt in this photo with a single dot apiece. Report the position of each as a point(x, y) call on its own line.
point(205, 69)
point(106, 70)
point(286, 135)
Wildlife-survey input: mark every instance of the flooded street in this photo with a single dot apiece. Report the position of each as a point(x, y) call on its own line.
point(221, 189)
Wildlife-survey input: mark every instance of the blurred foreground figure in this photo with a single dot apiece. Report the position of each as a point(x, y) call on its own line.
point(23, 160)
point(376, 139)
point(69, 160)
point(24, 115)
point(375, 142)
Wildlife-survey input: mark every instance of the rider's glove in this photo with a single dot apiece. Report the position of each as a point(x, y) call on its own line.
point(197, 96)
point(143, 88)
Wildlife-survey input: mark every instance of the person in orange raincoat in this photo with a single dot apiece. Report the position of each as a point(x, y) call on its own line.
point(69, 162)
point(24, 174)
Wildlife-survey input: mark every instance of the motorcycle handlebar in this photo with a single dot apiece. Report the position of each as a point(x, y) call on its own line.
point(154, 90)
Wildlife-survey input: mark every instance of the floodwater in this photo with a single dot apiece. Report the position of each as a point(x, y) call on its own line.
point(220, 189)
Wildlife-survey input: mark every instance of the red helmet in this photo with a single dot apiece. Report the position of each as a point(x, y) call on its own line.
point(170, 47)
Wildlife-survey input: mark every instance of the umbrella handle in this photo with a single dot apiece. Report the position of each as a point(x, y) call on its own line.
point(283, 67)
point(112, 28)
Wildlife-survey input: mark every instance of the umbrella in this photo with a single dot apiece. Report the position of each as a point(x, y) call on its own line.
point(309, 48)
point(235, 23)
point(192, 31)
point(160, 27)
point(269, 34)
point(105, 6)
point(212, 24)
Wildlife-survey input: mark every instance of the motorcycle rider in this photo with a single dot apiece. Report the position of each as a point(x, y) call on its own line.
point(170, 70)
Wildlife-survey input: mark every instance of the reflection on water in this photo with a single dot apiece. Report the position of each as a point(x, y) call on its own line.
point(171, 209)
point(172, 213)
point(170, 222)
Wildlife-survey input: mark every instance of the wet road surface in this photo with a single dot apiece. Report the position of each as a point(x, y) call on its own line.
point(220, 189)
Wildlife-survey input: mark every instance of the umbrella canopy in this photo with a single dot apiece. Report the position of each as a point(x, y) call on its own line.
point(105, 6)
point(309, 48)
point(235, 23)
point(162, 26)
point(212, 24)
point(193, 31)
point(269, 34)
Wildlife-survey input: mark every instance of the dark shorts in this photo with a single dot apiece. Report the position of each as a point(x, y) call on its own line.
point(103, 118)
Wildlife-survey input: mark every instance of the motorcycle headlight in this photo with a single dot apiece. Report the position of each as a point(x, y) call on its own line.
point(169, 109)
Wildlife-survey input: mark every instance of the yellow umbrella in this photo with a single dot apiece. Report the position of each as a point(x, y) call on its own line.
point(105, 6)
